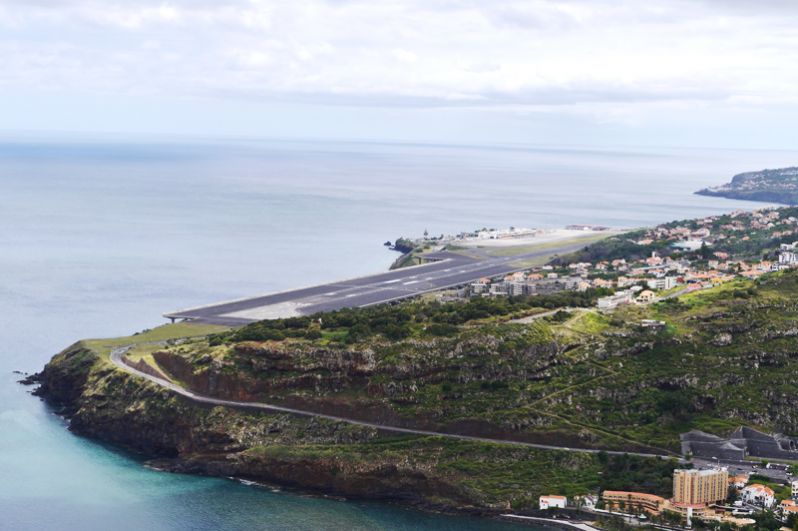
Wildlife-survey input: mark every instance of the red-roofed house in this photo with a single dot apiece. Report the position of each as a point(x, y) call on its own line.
point(551, 501)
point(758, 494)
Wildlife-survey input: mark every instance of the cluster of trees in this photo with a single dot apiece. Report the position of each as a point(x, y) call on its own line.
point(395, 322)
point(633, 473)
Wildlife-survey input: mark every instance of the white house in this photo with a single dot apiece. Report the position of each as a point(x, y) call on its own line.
point(662, 283)
point(794, 486)
point(739, 481)
point(788, 258)
point(612, 301)
point(551, 501)
point(587, 501)
point(757, 494)
point(688, 245)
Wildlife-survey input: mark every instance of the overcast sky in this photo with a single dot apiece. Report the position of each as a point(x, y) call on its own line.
point(711, 73)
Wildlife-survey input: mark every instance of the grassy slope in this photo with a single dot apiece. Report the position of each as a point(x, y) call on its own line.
point(146, 342)
point(482, 475)
point(608, 383)
point(492, 474)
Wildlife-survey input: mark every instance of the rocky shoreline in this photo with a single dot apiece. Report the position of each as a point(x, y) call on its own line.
point(179, 436)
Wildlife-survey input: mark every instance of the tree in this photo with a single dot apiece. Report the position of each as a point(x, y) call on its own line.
point(705, 252)
point(767, 520)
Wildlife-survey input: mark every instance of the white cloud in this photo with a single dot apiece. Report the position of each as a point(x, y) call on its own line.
point(414, 53)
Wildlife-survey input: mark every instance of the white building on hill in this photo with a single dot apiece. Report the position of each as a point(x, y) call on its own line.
point(552, 501)
point(757, 494)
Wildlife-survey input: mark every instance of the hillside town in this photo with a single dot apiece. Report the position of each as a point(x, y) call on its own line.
point(667, 261)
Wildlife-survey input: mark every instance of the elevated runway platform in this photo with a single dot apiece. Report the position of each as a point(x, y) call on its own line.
point(449, 270)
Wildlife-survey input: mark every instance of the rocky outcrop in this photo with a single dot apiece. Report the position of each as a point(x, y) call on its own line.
point(380, 382)
point(116, 407)
point(63, 379)
point(379, 479)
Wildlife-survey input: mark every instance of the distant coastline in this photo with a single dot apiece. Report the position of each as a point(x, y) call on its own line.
point(770, 186)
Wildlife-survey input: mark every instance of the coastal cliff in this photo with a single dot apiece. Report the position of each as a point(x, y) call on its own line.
point(581, 379)
point(306, 453)
point(320, 455)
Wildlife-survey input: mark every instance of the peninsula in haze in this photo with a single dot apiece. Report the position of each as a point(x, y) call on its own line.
point(771, 186)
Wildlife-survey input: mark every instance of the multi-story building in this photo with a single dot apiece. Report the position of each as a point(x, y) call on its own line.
point(662, 283)
point(633, 501)
point(788, 259)
point(757, 494)
point(700, 487)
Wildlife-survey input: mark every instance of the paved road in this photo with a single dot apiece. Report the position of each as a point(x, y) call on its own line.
point(558, 522)
point(737, 467)
point(450, 270)
point(117, 355)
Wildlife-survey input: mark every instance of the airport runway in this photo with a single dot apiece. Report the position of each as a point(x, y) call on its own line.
point(450, 270)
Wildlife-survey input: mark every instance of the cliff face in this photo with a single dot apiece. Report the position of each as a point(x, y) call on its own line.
point(381, 370)
point(307, 453)
point(325, 457)
point(108, 404)
point(63, 379)
point(115, 407)
point(457, 385)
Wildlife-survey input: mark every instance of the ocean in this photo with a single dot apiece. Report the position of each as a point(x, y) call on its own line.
point(98, 237)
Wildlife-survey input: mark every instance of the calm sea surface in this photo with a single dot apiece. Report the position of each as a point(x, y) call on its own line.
point(99, 238)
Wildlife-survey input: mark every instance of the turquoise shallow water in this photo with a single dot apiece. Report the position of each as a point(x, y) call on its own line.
point(97, 239)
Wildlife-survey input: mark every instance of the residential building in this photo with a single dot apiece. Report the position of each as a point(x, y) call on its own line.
point(613, 301)
point(645, 297)
point(498, 290)
point(700, 487)
point(515, 288)
point(758, 494)
point(633, 501)
point(588, 501)
point(552, 501)
point(688, 245)
point(788, 507)
point(789, 510)
point(662, 283)
point(553, 285)
point(739, 481)
point(480, 286)
point(794, 486)
point(788, 259)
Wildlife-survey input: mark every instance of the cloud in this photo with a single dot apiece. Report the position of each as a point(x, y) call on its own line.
point(408, 53)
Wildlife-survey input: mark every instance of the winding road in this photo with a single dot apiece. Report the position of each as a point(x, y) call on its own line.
point(117, 358)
